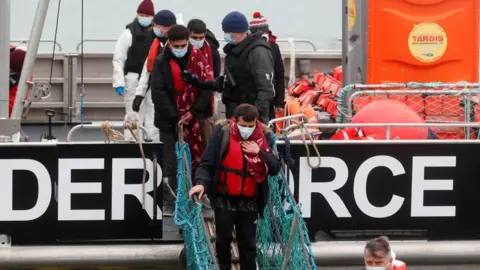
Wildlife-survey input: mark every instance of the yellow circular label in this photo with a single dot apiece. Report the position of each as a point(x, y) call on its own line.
point(427, 42)
point(352, 14)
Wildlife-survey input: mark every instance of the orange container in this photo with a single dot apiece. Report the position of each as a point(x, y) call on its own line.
point(422, 40)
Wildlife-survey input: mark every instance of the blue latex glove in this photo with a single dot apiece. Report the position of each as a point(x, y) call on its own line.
point(120, 90)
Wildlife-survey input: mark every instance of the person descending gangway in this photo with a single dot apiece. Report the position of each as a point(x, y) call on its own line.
point(281, 240)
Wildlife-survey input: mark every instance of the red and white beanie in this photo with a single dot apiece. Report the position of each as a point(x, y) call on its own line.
point(258, 22)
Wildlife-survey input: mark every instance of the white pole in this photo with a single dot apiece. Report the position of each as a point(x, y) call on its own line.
point(30, 57)
point(4, 56)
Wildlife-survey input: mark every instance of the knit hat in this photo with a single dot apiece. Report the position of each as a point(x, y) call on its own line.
point(235, 22)
point(146, 7)
point(165, 18)
point(16, 61)
point(258, 22)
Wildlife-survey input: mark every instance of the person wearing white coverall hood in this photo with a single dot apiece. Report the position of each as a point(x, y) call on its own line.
point(131, 50)
point(143, 104)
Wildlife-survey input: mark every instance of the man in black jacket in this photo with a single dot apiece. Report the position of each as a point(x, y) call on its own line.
point(233, 172)
point(248, 71)
point(249, 67)
point(176, 101)
point(260, 24)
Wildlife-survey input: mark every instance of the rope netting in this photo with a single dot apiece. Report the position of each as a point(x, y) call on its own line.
point(434, 102)
point(188, 216)
point(282, 236)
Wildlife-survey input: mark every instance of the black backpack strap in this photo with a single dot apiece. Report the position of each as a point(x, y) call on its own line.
point(225, 140)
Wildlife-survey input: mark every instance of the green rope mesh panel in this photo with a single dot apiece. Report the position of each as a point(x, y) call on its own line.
point(188, 216)
point(273, 230)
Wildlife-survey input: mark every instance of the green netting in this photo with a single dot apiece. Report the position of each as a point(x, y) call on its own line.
point(188, 216)
point(277, 242)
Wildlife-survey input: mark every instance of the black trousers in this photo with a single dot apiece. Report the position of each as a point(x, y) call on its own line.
point(246, 232)
point(169, 139)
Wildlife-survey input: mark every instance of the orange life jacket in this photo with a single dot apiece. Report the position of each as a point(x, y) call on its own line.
point(152, 54)
point(233, 178)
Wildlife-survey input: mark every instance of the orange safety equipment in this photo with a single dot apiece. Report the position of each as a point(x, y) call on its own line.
point(234, 179)
point(300, 86)
point(390, 111)
point(399, 265)
point(338, 73)
point(310, 113)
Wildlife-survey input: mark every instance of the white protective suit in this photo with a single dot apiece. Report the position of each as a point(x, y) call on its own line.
point(147, 110)
point(130, 81)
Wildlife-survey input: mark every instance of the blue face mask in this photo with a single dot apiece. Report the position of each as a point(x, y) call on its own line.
point(157, 32)
point(179, 53)
point(197, 43)
point(245, 132)
point(145, 21)
point(228, 39)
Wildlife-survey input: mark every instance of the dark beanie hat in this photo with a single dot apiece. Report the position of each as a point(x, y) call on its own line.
point(16, 60)
point(146, 7)
point(165, 18)
point(235, 22)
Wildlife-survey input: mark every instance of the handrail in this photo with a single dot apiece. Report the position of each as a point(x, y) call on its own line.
point(304, 41)
point(340, 253)
point(300, 41)
point(146, 137)
point(79, 45)
point(407, 85)
point(387, 126)
point(26, 41)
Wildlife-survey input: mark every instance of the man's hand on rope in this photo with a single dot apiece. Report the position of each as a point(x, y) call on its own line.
point(198, 189)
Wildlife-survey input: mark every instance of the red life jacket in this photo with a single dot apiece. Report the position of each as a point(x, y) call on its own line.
point(233, 178)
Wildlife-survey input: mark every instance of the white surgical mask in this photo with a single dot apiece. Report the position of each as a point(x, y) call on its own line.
point(377, 267)
point(157, 32)
point(228, 38)
point(145, 21)
point(245, 132)
point(197, 43)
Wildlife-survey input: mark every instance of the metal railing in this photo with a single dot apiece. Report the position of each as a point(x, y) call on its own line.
point(90, 40)
point(295, 41)
point(430, 93)
point(388, 126)
point(340, 253)
point(68, 81)
point(99, 126)
point(26, 41)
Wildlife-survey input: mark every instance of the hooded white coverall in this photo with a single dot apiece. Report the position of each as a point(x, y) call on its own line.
point(130, 82)
point(147, 110)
